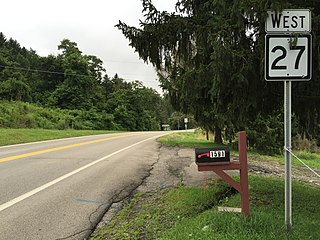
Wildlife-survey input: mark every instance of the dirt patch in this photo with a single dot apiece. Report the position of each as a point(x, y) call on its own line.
point(270, 168)
point(175, 166)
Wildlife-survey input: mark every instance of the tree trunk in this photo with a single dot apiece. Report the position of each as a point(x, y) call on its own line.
point(207, 134)
point(217, 135)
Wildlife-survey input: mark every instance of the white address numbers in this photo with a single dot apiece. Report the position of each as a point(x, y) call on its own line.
point(218, 154)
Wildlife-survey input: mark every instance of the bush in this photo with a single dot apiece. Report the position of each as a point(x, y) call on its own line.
point(265, 133)
point(26, 115)
point(303, 144)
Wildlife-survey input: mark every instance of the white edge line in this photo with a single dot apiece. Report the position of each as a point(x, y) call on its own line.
point(49, 184)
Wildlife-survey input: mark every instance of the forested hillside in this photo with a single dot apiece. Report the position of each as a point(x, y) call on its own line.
point(71, 90)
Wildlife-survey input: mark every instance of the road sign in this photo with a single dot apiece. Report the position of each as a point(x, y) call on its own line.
point(288, 58)
point(288, 21)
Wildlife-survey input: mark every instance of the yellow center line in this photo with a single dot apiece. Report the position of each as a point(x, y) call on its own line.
point(6, 159)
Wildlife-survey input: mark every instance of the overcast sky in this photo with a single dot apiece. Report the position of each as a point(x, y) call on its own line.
point(41, 25)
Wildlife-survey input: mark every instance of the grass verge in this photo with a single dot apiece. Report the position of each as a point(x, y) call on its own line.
point(16, 136)
point(190, 213)
point(187, 140)
point(197, 139)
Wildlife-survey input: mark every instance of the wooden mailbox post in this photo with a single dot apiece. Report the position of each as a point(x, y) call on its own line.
point(242, 165)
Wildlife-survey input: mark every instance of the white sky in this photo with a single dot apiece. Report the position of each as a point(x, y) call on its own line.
point(41, 25)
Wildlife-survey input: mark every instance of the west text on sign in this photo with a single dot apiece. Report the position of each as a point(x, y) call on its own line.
point(287, 21)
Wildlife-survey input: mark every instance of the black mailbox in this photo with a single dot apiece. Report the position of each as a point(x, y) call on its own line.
point(212, 155)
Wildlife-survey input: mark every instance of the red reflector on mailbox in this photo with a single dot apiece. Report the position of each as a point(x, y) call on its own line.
point(212, 155)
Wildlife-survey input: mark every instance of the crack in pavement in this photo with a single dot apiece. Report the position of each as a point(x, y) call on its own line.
point(118, 197)
point(90, 229)
point(171, 166)
point(95, 221)
point(127, 196)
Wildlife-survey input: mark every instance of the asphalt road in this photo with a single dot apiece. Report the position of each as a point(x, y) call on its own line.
point(60, 189)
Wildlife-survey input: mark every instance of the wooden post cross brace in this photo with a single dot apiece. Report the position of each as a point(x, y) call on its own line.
point(241, 165)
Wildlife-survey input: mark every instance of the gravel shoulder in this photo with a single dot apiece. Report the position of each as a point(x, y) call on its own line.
point(269, 168)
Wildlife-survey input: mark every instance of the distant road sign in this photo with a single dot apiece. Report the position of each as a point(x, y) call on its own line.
point(284, 62)
point(289, 20)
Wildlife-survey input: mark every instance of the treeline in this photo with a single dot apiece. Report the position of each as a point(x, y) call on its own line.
point(210, 58)
point(71, 90)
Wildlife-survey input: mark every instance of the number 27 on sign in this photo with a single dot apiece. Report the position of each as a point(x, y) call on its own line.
point(287, 59)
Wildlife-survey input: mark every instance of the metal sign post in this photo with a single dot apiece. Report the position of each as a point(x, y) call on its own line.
point(288, 57)
point(287, 141)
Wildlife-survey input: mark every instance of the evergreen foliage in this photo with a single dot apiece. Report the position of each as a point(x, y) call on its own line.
point(210, 58)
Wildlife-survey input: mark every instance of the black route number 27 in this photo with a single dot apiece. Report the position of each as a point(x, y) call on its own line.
point(275, 65)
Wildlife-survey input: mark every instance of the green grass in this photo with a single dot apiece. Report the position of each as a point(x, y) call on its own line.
point(186, 139)
point(190, 213)
point(267, 215)
point(15, 136)
point(149, 215)
point(197, 140)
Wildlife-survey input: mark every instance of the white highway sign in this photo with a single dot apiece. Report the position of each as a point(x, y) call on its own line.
point(289, 20)
point(288, 57)
point(286, 63)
